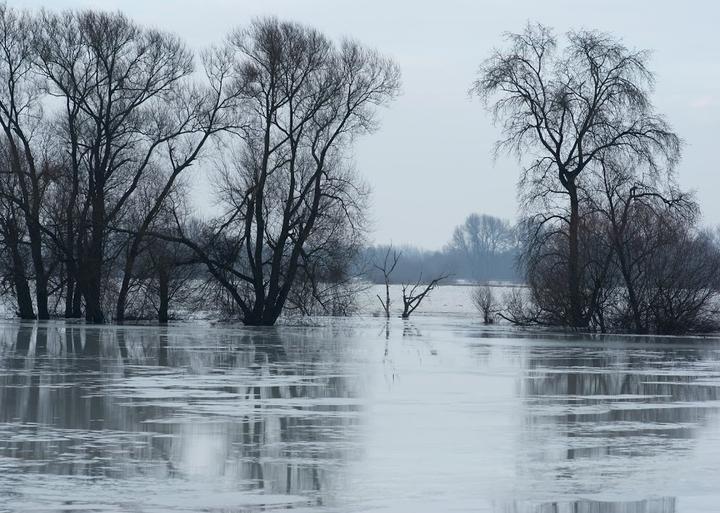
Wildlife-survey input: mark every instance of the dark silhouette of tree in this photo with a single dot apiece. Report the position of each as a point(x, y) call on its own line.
point(570, 106)
point(387, 267)
point(118, 83)
point(15, 276)
point(484, 300)
point(284, 179)
point(22, 126)
point(632, 205)
point(413, 294)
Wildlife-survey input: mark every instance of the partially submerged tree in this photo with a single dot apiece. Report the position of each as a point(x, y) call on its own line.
point(22, 127)
point(683, 282)
point(484, 300)
point(387, 267)
point(15, 276)
point(570, 106)
point(285, 182)
point(413, 294)
point(518, 308)
point(127, 115)
point(632, 205)
point(118, 84)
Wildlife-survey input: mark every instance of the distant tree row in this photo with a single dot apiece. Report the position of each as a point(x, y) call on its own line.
point(103, 124)
point(483, 248)
point(609, 240)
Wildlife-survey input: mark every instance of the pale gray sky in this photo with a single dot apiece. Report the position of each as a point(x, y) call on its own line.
point(431, 163)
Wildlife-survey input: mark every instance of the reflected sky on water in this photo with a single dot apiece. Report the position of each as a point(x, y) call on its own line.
point(420, 416)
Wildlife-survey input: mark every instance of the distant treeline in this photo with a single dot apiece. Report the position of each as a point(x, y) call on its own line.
point(484, 248)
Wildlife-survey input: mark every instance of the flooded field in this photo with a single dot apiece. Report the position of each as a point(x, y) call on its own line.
point(435, 414)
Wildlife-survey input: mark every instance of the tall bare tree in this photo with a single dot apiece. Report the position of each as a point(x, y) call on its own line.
point(197, 113)
point(569, 106)
point(116, 82)
point(14, 272)
point(21, 121)
point(285, 181)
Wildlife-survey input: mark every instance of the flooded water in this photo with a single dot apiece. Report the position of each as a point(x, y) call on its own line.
point(431, 415)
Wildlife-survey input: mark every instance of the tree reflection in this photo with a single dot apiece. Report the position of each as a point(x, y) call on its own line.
point(256, 409)
point(662, 505)
point(596, 416)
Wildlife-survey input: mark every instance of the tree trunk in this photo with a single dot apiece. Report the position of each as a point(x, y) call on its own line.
point(164, 282)
point(41, 296)
point(92, 286)
point(127, 276)
point(22, 288)
point(93, 306)
point(122, 296)
point(73, 298)
point(264, 315)
point(77, 303)
point(20, 281)
point(575, 300)
point(630, 286)
point(41, 279)
point(69, 294)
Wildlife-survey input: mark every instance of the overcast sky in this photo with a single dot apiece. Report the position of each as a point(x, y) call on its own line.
point(431, 162)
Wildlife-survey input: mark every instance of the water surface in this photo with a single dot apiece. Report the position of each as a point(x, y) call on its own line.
point(434, 414)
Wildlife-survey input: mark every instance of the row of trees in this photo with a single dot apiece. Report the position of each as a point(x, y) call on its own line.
point(609, 240)
point(103, 124)
point(483, 248)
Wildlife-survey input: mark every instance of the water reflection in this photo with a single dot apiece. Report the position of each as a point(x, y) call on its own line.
point(662, 505)
point(611, 422)
point(259, 410)
point(421, 416)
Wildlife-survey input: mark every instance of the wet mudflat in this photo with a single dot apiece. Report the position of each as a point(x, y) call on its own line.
point(436, 414)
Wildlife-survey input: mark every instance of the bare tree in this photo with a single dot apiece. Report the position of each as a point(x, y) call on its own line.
point(570, 106)
point(387, 267)
point(519, 308)
point(21, 121)
point(413, 295)
point(328, 282)
point(683, 280)
point(285, 180)
point(114, 80)
point(484, 300)
point(196, 113)
point(15, 275)
point(632, 205)
point(127, 119)
point(635, 279)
